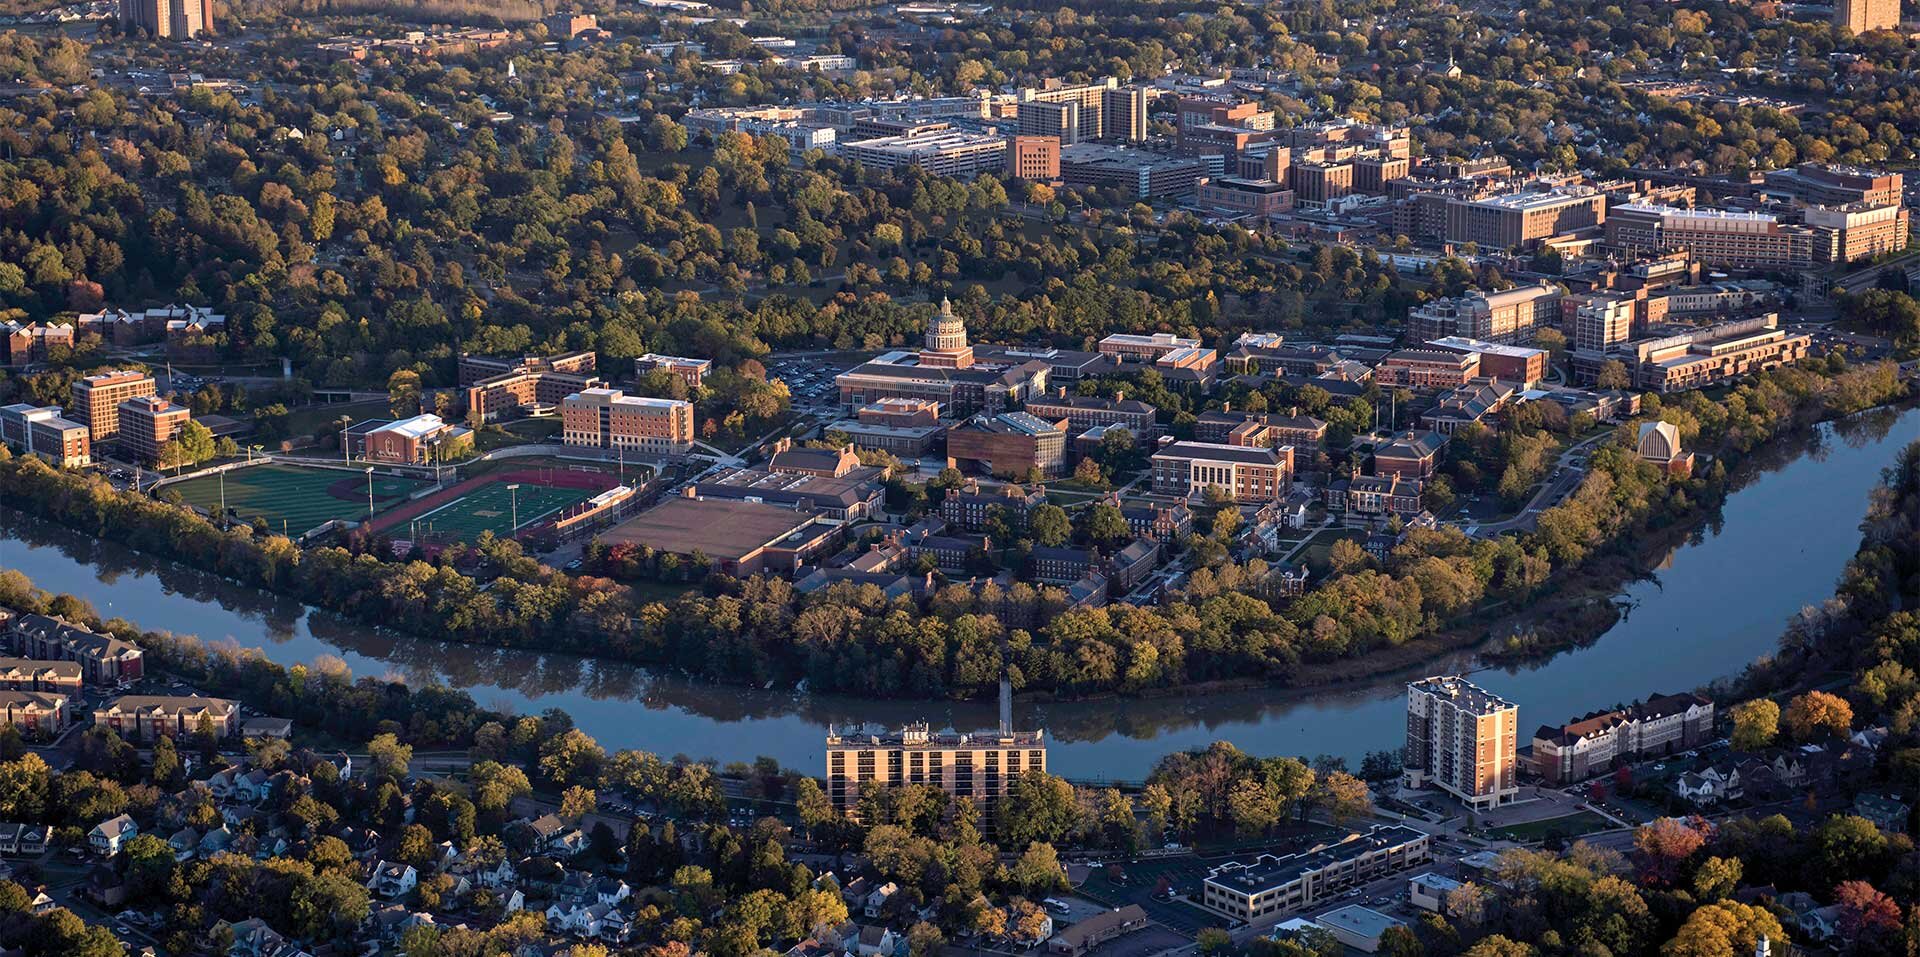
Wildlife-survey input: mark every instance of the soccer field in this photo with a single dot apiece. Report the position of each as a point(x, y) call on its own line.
point(295, 499)
point(491, 508)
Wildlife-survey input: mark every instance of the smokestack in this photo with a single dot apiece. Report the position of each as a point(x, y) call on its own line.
point(1006, 705)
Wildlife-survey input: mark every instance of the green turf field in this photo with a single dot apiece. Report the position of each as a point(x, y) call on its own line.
point(491, 508)
point(294, 497)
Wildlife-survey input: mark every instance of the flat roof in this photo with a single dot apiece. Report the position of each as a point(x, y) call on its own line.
point(722, 529)
point(1355, 919)
point(417, 427)
point(1465, 344)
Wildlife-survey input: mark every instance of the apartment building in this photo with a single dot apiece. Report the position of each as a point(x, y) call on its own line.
point(505, 386)
point(38, 714)
point(1103, 110)
point(977, 767)
point(604, 418)
point(1161, 523)
point(1508, 316)
point(1589, 746)
point(24, 343)
point(1461, 739)
point(1244, 474)
point(1010, 444)
point(48, 433)
point(1316, 183)
point(28, 674)
point(1865, 16)
point(147, 718)
point(103, 659)
point(166, 19)
point(97, 398)
point(1602, 321)
point(1269, 887)
point(1429, 370)
point(1057, 121)
point(691, 371)
point(147, 424)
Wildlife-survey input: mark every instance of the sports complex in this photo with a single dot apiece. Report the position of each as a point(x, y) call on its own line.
point(513, 499)
point(295, 499)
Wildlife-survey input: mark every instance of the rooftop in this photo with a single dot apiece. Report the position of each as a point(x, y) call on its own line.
point(1463, 693)
point(1363, 921)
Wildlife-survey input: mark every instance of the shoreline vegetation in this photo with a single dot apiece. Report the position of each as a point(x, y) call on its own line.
point(1429, 598)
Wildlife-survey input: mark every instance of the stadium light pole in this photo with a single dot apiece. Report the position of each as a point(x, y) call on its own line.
point(223, 498)
point(346, 452)
point(513, 503)
point(369, 493)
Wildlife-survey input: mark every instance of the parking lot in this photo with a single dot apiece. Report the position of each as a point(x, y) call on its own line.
point(1142, 882)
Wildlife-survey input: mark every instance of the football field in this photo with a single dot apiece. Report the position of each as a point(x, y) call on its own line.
point(295, 499)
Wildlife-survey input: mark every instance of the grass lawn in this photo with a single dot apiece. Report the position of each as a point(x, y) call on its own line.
point(647, 590)
point(294, 498)
point(1321, 545)
point(310, 419)
point(1573, 825)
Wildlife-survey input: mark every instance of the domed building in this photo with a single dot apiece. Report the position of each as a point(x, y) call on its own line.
point(1659, 443)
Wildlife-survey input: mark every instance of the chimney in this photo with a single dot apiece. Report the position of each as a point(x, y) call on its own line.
point(1120, 396)
point(1063, 392)
point(1006, 713)
point(1226, 407)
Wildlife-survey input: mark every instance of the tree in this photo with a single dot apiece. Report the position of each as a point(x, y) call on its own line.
point(578, 802)
point(1717, 878)
point(1343, 796)
point(1755, 723)
point(390, 757)
point(812, 803)
point(1039, 807)
point(1050, 526)
point(1347, 556)
point(1038, 870)
point(1664, 845)
point(1106, 525)
point(1725, 929)
point(1866, 913)
point(1817, 715)
point(1399, 941)
point(1612, 375)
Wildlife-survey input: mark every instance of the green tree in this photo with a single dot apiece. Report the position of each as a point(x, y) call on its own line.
point(1050, 525)
point(1755, 723)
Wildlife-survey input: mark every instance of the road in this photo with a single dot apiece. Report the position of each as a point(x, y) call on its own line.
point(1566, 478)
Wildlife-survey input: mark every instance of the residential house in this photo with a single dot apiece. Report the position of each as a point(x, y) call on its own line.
point(876, 902)
point(1708, 788)
point(392, 879)
point(108, 836)
point(1888, 814)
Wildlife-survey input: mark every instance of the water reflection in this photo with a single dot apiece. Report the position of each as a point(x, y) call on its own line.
point(1701, 614)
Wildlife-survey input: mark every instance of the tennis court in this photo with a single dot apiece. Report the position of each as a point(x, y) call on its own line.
point(492, 507)
point(293, 498)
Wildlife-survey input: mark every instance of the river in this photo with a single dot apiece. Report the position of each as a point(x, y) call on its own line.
point(1718, 601)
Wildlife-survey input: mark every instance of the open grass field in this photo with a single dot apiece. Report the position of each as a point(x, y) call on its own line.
point(296, 498)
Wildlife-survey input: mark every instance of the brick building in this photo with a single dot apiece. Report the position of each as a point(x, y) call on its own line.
point(147, 424)
point(103, 659)
point(147, 718)
point(97, 398)
point(1244, 474)
point(610, 419)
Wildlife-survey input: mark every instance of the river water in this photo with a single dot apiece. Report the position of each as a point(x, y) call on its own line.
point(1718, 601)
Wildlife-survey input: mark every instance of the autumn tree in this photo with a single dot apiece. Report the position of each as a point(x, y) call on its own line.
point(1817, 715)
point(1755, 723)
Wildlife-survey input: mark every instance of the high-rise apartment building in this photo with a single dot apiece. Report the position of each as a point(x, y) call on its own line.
point(1461, 739)
point(167, 19)
point(1602, 322)
point(1104, 110)
point(97, 398)
point(1862, 16)
point(980, 767)
point(610, 419)
point(1058, 120)
point(147, 424)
